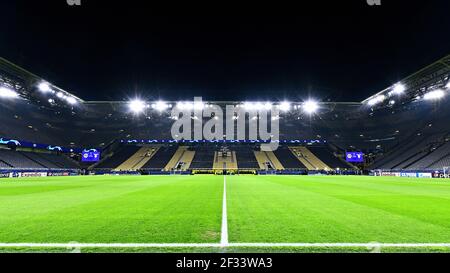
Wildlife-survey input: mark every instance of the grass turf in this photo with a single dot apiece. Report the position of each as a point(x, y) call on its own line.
point(261, 209)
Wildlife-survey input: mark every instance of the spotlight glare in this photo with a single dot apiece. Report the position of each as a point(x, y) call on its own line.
point(44, 87)
point(136, 106)
point(310, 107)
point(8, 93)
point(249, 106)
point(268, 106)
point(399, 89)
point(434, 95)
point(71, 100)
point(376, 100)
point(160, 106)
point(285, 106)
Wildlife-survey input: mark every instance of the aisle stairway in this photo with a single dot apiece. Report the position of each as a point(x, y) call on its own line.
point(225, 161)
point(139, 159)
point(270, 158)
point(181, 160)
point(308, 159)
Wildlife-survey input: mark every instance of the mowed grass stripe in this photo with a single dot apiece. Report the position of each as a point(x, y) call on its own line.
point(308, 210)
point(416, 198)
point(148, 209)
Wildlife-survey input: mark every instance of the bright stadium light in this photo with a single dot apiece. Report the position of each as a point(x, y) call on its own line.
point(249, 106)
point(398, 89)
point(44, 87)
point(60, 95)
point(8, 93)
point(136, 106)
point(285, 106)
point(267, 106)
point(71, 100)
point(434, 95)
point(310, 106)
point(160, 106)
point(185, 105)
point(376, 100)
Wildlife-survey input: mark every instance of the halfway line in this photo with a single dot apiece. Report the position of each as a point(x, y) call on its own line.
point(224, 230)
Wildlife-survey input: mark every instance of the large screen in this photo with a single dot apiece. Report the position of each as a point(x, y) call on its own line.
point(355, 157)
point(90, 156)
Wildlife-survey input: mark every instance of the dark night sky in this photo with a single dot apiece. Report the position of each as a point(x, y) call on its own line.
point(109, 50)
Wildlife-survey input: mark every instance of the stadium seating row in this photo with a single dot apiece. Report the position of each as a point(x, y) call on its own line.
point(29, 160)
point(241, 157)
point(425, 152)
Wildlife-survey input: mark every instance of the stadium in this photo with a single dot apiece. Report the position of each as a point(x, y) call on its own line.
point(117, 168)
point(157, 175)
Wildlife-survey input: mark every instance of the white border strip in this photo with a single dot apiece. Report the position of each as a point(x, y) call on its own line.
point(224, 229)
point(215, 245)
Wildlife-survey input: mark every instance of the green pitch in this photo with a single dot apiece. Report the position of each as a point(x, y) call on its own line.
point(188, 209)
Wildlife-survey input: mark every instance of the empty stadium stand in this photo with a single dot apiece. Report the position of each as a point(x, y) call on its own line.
point(139, 159)
point(432, 157)
point(246, 158)
point(118, 157)
point(268, 160)
point(409, 154)
point(328, 157)
point(203, 159)
point(162, 157)
point(225, 160)
point(288, 159)
point(28, 160)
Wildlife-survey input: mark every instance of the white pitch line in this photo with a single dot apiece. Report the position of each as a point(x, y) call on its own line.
point(224, 229)
point(215, 245)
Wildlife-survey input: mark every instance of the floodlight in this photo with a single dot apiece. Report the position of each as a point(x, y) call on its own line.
point(60, 95)
point(185, 106)
point(44, 87)
point(285, 106)
point(160, 106)
point(310, 106)
point(249, 106)
point(259, 106)
point(398, 89)
point(434, 95)
point(8, 93)
point(268, 106)
point(136, 106)
point(376, 100)
point(71, 100)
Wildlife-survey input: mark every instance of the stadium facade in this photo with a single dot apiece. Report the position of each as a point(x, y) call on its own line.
point(403, 130)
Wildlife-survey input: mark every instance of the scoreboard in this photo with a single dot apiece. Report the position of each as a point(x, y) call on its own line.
point(355, 157)
point(90, 156)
